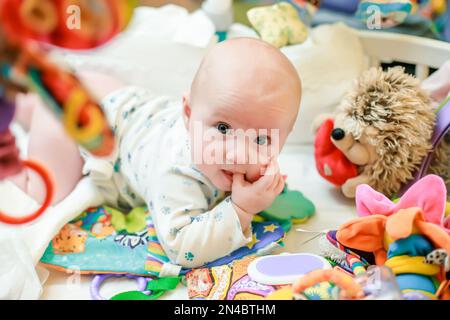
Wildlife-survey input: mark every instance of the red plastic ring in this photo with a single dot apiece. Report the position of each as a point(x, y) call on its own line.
point(49, 185)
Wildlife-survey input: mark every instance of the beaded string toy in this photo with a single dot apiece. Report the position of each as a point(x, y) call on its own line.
point(28, 28)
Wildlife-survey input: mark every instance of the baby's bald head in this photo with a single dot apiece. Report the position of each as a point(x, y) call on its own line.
point(242, 71)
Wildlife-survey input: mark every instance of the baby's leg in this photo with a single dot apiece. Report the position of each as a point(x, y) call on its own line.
point(50, 145)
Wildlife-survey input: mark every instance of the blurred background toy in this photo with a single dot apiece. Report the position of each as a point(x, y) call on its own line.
point(427, 18)
point(383, 14)
point(28, 29)
point(221, 14)
point(279, 24)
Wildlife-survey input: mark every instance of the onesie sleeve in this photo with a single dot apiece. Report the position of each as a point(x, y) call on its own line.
point(191, 230)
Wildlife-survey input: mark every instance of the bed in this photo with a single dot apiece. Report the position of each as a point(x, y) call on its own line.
point(184, 52)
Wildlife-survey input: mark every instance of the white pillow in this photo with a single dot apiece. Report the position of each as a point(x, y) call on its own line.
point(328, 63)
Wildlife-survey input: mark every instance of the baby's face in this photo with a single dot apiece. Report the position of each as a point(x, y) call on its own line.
point(239, 133)
point(243, 103)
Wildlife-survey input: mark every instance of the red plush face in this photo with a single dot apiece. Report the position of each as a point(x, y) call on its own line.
point(331, 162)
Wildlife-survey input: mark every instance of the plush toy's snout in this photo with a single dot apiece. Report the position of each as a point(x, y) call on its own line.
point(338, 155)
point(331, 162)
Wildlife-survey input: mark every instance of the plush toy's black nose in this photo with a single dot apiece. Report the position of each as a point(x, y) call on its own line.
point(338, 134)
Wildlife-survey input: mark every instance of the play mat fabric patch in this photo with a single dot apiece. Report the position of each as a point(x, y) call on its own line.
point(104, 240)
point(226, 282)
point(91, 243)
point(232, 282)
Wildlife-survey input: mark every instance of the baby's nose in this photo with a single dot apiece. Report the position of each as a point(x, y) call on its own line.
point(236, 156)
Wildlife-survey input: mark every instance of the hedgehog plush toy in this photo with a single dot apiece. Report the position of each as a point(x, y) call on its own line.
point(385, 133)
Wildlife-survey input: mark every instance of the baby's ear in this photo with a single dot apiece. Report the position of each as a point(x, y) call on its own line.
point(186, 109)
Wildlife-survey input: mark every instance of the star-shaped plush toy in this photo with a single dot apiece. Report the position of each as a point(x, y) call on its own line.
point(278, 24)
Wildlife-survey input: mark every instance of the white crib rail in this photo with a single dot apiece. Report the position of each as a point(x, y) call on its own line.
point(388, 47)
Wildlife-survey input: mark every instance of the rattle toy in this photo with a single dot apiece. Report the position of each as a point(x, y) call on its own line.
point(28, 28)
point(285, 268)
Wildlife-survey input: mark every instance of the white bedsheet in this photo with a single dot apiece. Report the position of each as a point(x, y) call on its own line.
point(298, 163)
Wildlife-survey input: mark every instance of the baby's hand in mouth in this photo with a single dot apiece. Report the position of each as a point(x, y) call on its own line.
point(259, 195)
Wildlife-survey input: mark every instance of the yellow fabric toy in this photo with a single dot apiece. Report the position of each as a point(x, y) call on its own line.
point(278, 24)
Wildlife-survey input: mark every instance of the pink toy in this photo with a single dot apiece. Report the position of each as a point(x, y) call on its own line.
point(429, 194)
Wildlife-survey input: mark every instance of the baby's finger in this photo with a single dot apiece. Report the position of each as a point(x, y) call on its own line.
point(280, 186)
point(273, 167)
point(264, 182)
point(274, 182)
point(238, 180)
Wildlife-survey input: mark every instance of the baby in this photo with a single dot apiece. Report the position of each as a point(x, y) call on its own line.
point(186, 160)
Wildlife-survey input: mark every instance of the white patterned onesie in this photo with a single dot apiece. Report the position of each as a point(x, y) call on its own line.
point(195, 222)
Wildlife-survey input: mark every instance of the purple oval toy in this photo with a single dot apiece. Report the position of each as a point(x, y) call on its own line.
point(285, 268)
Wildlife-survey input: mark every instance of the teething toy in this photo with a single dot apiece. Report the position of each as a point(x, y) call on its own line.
point(98, 280)
point(48, 197)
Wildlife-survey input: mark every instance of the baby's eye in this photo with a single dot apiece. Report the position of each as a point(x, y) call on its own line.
point(223, 128)
point(262, 140)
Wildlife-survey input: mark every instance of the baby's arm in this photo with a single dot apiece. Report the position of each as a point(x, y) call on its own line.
point(191, 233)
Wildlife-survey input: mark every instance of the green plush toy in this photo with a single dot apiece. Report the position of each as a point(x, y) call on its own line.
point(290, 207)
point(132, 222)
